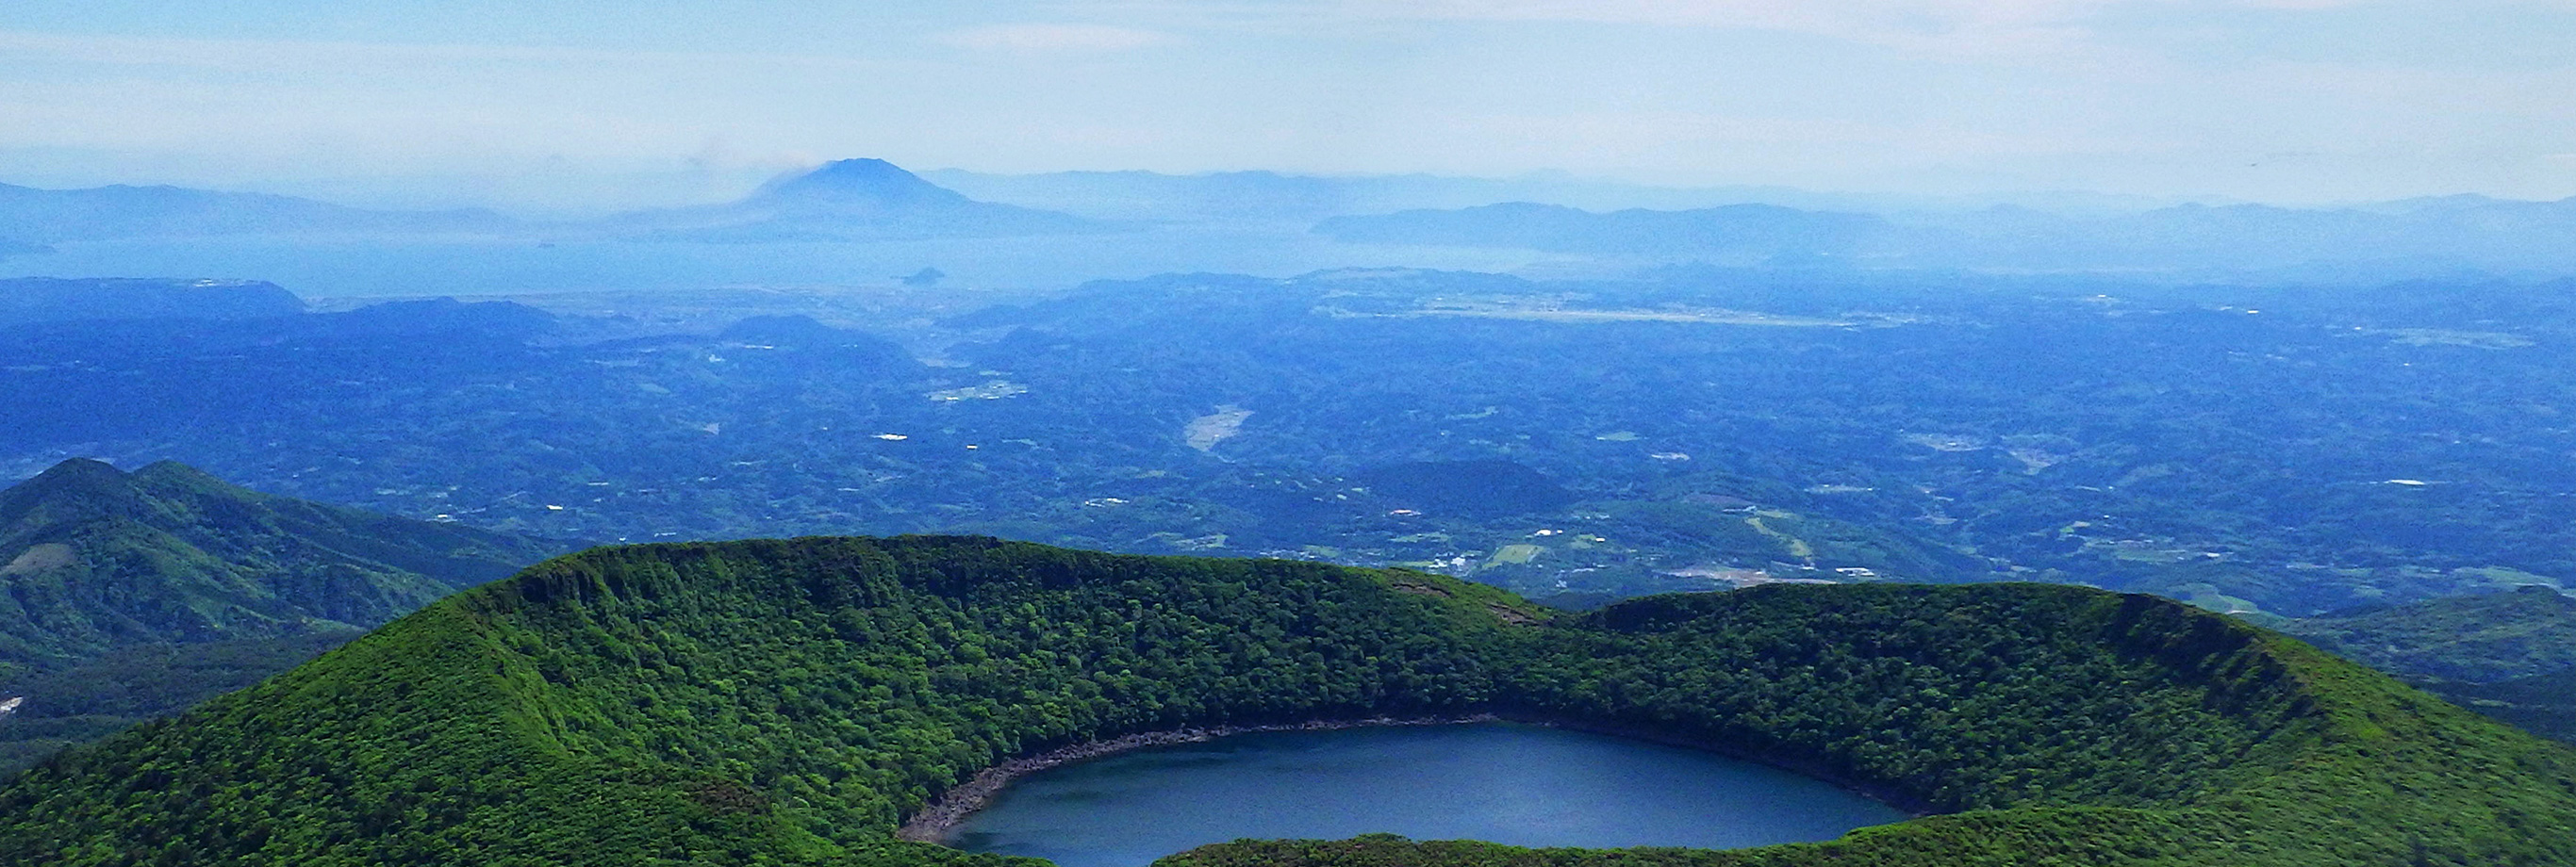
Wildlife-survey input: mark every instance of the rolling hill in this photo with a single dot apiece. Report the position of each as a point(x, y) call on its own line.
point(101, 559)
point(789, 702)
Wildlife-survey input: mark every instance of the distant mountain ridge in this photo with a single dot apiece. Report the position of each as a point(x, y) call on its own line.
point(48, 299)
point(845, 200)
point(32, 216)
point(870, 201)
point(1730, 234)
point(1302, 199)
point(2416, 235)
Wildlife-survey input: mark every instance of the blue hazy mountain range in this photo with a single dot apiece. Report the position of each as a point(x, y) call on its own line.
point(2453, 233)
point(47, 299)
point(860, 199)
point(1266, 196)
point(854, 217)
point(30, 216)
point(1724, 235)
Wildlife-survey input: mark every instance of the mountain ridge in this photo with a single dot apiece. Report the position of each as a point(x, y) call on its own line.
point(118, 211)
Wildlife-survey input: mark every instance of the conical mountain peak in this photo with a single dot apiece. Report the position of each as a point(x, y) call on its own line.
point(858, 181)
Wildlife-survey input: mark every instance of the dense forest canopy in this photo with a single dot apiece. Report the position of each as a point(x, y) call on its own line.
point(790, 701)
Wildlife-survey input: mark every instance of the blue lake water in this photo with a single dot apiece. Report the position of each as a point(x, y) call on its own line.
point(1516, 784)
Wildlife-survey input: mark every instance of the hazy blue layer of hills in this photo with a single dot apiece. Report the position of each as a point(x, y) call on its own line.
point(2416, 236)
point(1134, 223)
point(1264, 196)
point(102, 213)
point(849, 200)
point(44, 299)
point(1737, 235)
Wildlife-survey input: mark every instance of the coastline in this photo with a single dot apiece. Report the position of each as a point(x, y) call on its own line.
point(936, 821)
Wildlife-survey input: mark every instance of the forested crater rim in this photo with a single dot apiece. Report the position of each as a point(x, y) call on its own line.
point(797, 700)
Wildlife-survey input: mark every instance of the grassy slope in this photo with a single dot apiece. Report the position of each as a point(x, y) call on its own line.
point(786, 702)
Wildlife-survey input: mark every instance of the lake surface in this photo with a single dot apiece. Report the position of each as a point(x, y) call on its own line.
point(1516, 784)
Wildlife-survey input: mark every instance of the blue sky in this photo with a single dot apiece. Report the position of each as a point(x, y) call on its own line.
point(2294, 101)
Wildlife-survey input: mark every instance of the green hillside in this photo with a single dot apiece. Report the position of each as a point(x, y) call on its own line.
point(788, 702)
point(97, 559)
point(129, 596)
point(2481, 638)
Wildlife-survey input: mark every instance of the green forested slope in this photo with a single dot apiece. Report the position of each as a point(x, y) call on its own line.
point(130, 684)
point(2481, 638)
point(92, 559)
point(787, 702)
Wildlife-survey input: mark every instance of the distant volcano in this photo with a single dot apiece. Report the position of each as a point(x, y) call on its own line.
point(871, 183)
point(850, 200)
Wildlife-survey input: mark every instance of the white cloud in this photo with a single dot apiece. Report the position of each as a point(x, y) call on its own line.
point(1056, 38)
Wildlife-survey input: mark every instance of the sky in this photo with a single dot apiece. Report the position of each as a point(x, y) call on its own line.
point(650, 101)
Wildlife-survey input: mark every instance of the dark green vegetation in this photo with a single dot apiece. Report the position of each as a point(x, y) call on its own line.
point(2543, 704)
point(99, 697)
point(2480, 638)
point(101, 559)
point(133, 595)
point(1923, 428)
point(786, 702)
point(2509, 655)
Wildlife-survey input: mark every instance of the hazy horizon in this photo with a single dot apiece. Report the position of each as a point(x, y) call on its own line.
point(580, 106)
